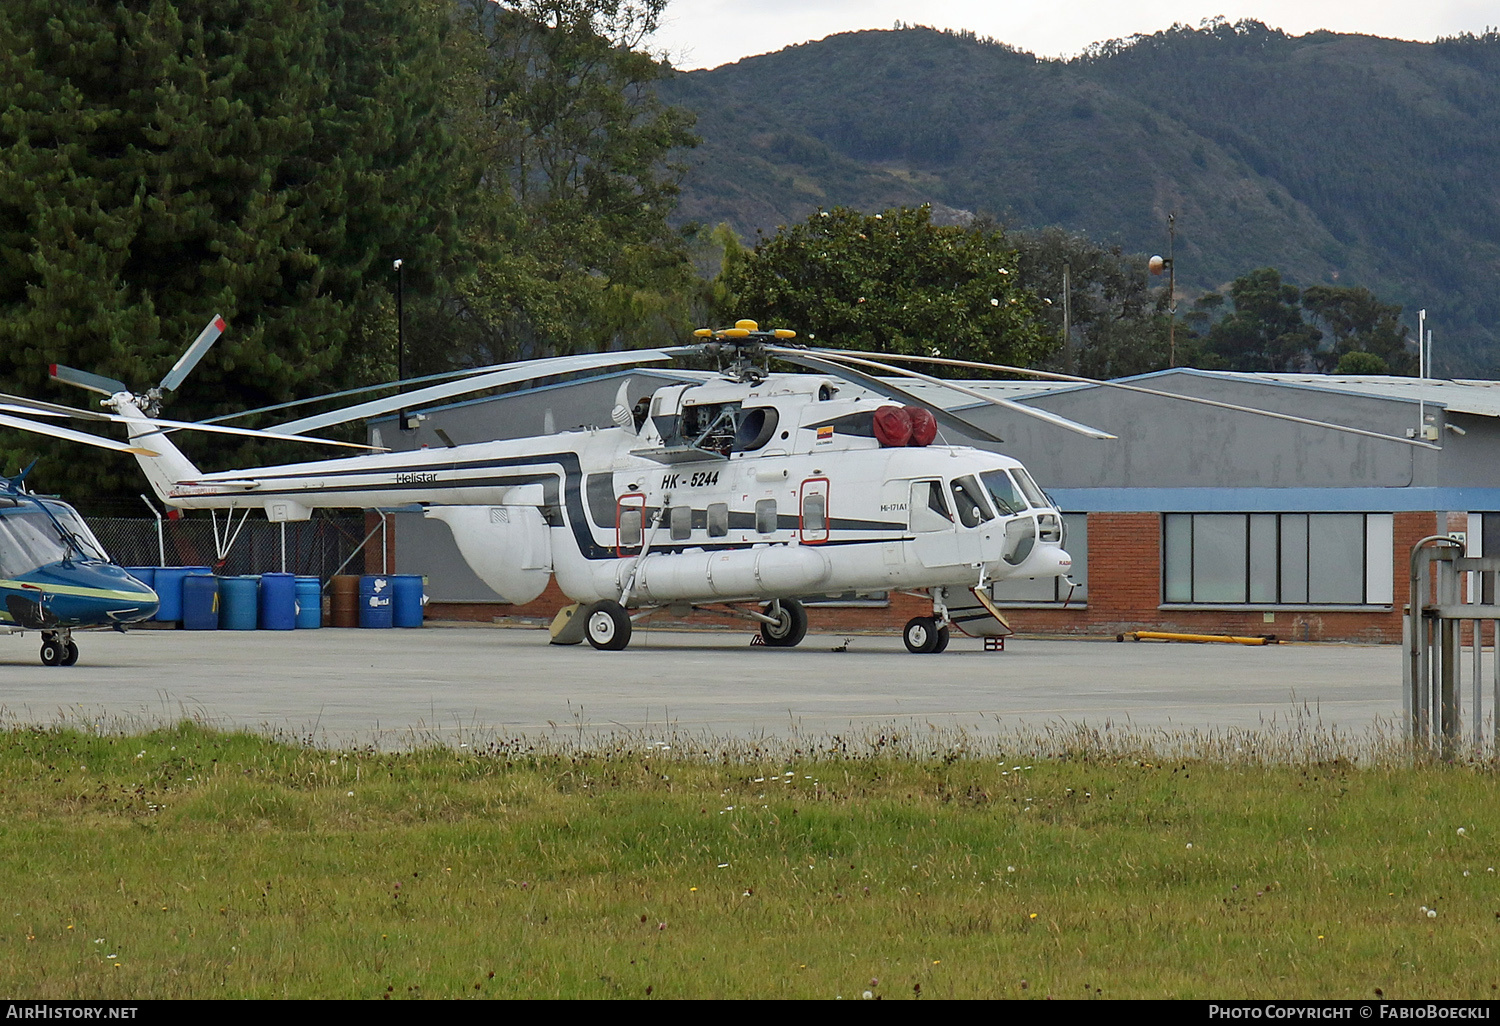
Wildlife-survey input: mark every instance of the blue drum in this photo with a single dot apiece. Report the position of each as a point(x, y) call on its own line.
point(278, 602)
point(406, 600)
point(375, 608)
point(309, 603)
point(239, 603)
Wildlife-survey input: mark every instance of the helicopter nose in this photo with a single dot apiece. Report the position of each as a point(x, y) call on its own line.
point(123, 599)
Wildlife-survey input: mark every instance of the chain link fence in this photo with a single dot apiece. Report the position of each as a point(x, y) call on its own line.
point(314, 548)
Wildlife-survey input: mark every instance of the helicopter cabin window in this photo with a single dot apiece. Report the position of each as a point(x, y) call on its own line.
point(765, 516)
point(968, 497)
point(718, 519)
point(1320, 559)
point(814, 513)
point(682, 523)
point(630, 527)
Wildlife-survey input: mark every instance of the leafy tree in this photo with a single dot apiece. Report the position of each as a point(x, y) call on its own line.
point(162, 161)
point(1265, 331)
point(1357, 361)
point(893, 282)
point(1359, 323)
point(1119, 322)
point(573, 146)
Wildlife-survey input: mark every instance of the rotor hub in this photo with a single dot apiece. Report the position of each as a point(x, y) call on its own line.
point(745, 345)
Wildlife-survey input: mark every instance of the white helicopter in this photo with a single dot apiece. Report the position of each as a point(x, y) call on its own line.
point(740, 495)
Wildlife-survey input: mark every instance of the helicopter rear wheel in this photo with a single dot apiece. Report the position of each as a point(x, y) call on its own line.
point(608, 626)
point(790, 626)
point(921, 635)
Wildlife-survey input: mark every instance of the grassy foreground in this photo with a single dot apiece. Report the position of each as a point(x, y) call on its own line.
point(189, 863)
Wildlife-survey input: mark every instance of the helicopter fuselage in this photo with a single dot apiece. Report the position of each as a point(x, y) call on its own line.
point(718, 492)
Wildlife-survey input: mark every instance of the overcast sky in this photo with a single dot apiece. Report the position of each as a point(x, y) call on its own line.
point(707, 33)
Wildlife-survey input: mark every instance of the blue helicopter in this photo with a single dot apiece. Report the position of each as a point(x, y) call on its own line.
point(55, 576)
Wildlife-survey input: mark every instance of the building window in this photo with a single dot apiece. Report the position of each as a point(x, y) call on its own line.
point(1040, 591)
point(1322, 559)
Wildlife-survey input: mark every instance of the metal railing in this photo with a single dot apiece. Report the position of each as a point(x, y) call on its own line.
point(1433, 668)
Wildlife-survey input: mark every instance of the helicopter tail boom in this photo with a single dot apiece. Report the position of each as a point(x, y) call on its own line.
point(168, 465)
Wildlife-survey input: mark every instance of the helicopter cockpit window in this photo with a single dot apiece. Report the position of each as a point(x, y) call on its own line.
point(929, 509)
point(1034, 494)
point(31, 539)
point(1003, 492)
point(969, 498)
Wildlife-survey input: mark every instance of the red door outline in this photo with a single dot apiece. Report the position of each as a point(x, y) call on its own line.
point(816, 537)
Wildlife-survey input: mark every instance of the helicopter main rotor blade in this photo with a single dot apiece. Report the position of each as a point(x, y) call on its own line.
point(74, 436)
point(188, 360)
point(83, 379)
point(951, 421)
point(293, 404)
point(1054, 376)
point(1056, 420)
point(513, 374)
point(33, 408)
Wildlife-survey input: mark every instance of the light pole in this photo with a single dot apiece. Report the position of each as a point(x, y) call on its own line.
point(404, 419)
point(1157, 264)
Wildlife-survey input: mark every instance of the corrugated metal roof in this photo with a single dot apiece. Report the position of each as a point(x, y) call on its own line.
point(1478, 397)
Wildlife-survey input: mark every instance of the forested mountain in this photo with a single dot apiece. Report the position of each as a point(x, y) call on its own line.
point(1339, 159)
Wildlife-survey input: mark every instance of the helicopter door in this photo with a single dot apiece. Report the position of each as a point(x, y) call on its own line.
point(630, 523)
point(813, 522)
point(930, 517)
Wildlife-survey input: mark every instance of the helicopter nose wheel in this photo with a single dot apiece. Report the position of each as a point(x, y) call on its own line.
point(923, 635)
point(608, 626)
point(58, 650)
point(790, 626)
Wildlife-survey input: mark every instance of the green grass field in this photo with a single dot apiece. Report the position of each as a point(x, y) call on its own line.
point(190, 863)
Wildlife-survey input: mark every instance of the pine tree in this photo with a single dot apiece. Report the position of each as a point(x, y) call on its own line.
point(163, 161)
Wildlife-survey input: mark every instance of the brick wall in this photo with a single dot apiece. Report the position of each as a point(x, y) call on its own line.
point(1124, 595)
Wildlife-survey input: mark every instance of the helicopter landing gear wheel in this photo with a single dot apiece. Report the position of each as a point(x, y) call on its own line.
point(608, 626)
point(54, 651)
point(921, 635)
point(790, 626)
point(943, 636)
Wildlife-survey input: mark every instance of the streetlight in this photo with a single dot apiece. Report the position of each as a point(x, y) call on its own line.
point(404, 419)
point(1157, 264)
